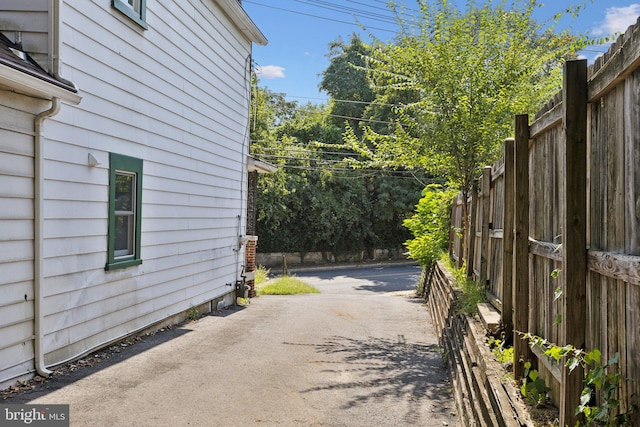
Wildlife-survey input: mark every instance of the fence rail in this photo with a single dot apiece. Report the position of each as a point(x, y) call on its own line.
point(566, 197)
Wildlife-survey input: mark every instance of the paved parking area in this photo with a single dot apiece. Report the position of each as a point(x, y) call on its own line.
point(360, 353)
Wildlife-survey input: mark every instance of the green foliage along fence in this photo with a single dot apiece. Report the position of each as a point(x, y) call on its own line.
point(429, 225)
point(571, 203)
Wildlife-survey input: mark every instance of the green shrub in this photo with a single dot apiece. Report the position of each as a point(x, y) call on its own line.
point(502, 353)
point(430, 225)
point(472, 293)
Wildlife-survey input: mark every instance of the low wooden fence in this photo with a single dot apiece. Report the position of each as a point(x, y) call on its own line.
point(483, 398)
point(566, 198)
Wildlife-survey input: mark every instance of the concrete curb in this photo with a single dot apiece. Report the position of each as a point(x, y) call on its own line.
point(325, 267)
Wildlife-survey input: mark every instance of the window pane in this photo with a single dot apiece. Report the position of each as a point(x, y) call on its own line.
point(134, 4)
point(123, 235)
point(125, 185)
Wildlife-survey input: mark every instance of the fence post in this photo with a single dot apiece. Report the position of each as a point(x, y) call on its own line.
point(574, 230)
point(452, 228)
point(484, 238)
point(472, 231)
point(521, 243)
point(507, 237)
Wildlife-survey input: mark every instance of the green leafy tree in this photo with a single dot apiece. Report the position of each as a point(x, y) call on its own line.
point(354, 101)
point(465, 73)
point(268, 110)
point(314, 203)
point(345, 80)
point(430, 225)
point(304, 206)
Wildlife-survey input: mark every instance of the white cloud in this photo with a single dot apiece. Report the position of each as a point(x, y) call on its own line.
point(618, 19)
point(271, 72)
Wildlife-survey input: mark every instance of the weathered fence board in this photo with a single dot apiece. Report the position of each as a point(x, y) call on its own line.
point(574, 229)
point(482, 396)
point(597, 253)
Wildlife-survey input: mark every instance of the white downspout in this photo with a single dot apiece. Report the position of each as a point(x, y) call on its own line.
point(55, 24)
point(38, 221)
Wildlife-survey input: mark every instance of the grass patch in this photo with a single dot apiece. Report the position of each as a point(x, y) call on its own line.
point(472, 293)
point(287, 285)
point(261, 275)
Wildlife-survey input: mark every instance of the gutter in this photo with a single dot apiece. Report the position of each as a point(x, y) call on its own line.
point(260, 166)
point(31, 85)
point(238, 15)
point(38, 261)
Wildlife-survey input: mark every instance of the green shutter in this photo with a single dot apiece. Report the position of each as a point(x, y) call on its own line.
point(139, 17)
point(118, 162)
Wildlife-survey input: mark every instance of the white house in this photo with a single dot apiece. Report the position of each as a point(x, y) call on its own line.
point(123, 169)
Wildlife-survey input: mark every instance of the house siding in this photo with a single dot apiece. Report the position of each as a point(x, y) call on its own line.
point(31, 19)
point(175, 96)
point(17, 114)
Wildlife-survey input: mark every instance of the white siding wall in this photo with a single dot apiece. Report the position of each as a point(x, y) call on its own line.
point(31, 18)
point(17, 114)
point(176, 97)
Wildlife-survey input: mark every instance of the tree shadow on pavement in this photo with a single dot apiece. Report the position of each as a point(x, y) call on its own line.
point(374, 279)
point(386, 286)
point(384, 368)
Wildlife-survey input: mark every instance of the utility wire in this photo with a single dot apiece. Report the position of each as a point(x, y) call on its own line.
point(386, 172)
point(360, 119)
point(349, 10)
point(346, 101)
point(320, 17)
point(386, 3)
point(335, 153)
point(310, 159)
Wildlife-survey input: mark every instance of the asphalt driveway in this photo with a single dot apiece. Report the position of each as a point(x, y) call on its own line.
point(360, 353)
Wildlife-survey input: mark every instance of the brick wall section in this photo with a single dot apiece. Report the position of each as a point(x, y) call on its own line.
point(250, 263)
point(252, 203)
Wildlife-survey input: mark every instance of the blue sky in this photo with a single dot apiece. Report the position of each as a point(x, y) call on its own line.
point(299, 32)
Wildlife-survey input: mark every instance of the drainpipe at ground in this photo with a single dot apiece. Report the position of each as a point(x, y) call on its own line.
point(38, 223)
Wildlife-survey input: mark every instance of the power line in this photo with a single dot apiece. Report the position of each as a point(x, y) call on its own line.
point(319, 17)
point(349, 10)
point(310, 159)
point(386, 2)
point(335, 153)
point(341, 100)
point(372, 7)
point(360, 119)
point(387, 172)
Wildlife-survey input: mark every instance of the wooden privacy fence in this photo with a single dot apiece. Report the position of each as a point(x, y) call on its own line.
point(566, 198)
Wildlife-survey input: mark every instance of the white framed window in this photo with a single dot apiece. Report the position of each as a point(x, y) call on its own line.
point(125, 214)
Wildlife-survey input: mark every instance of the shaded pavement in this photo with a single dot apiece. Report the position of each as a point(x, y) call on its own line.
point(361, 353)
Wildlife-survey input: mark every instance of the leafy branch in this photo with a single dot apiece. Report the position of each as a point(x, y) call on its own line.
point(599, 377)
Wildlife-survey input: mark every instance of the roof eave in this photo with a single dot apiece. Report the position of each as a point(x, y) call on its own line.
point(30, 85)
point(238, 15)
point(256, 165)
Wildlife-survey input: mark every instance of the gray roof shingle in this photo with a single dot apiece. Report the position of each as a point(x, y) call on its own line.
point(9, 56)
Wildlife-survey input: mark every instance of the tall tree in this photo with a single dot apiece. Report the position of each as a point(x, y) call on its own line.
point(345, 80)
point(468, 72)
point(354, 101)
